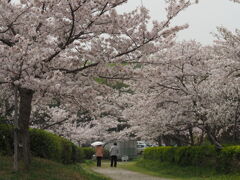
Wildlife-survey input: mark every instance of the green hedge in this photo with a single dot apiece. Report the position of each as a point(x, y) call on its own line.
point(6, 139)
point(88, 152)
point(195, 155)
point(106, 154)
point(227, 160)
point(43, 144)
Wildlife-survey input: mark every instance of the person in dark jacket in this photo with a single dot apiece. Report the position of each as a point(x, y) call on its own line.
point(113, 154)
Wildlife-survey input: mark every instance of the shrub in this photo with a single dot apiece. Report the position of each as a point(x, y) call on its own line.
point(152, 153)
point(50, 146)
point(88, 152)
point(45, 145)
point(160, 153)
point(75, 154)
point(80, 155)
point(66, 157)
point(227, 160)
point(6, 139)
point(168, 154)
point(106, 154)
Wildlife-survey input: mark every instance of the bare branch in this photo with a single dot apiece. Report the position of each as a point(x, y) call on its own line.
point(7, 42)
point(68, 71)
point(115, 78)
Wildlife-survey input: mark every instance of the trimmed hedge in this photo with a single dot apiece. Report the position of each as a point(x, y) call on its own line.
point(227, 160)
point(88, 152)
point(43, 144)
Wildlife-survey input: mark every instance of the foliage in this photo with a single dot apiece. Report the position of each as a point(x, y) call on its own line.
point(6, 139)
point(56, 49)
point(226, 160)
point(43, 144)
point(188, 92)
point(106, 154)
point(229, 159)
point(51, 146)
point(66, 151)
point(88, 152)
point(47, 170)
point(78, 154)
point(196, 155)
point(173, 171)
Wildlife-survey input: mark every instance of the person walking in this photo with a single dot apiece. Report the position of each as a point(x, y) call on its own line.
point(99, 154)
point(114, 153)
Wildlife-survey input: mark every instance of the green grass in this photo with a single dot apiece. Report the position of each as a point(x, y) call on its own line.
point(88, 165)
point(42, 169)
point(172, 171)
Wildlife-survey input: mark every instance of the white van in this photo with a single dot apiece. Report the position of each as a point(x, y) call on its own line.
point(141, 145)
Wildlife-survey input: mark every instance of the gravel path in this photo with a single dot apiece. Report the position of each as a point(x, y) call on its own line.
point(122, 174)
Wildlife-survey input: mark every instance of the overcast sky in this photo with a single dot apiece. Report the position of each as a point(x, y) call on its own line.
point(203, 18)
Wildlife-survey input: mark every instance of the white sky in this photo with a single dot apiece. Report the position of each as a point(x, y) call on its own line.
point(203, 18)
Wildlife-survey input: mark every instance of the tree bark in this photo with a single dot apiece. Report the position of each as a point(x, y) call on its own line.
point(235, 129)
point(16, 127)
point(190, 130)
point(25, 108)
point(201, 138)
point(212, 138)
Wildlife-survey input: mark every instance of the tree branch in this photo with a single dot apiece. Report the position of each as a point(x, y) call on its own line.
point(68, 71)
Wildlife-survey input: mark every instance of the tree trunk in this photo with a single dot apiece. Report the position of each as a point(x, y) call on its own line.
point(16, 128)
point(235, 129)
point(190, 130)
point(212, 138)
point(24, 118)
point(201, 138)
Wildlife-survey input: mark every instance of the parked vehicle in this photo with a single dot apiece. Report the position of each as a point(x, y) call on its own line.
point(141, 145)
point(127, 149)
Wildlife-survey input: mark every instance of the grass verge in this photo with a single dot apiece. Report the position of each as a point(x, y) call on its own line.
point(47, 170)
point(87, 166)
point(171, 171)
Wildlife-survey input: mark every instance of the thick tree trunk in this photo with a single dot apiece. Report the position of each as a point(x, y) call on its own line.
point(24, 118)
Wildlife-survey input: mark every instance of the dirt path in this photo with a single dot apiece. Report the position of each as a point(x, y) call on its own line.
point(122, 174)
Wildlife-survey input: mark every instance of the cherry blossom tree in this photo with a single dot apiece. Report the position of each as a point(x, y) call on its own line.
point(180, 85)
point(227, 47)
point(58, 48)
point(189, 89)
point(100, 125)
point(6, 104)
